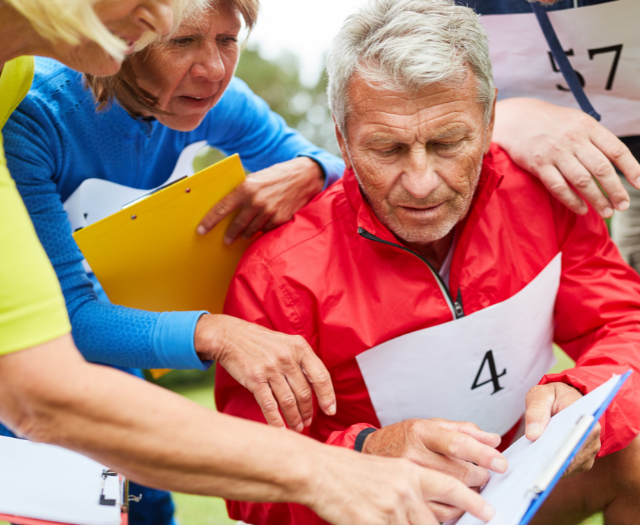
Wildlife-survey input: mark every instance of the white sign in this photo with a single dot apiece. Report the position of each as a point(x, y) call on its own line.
point(477, 368)
point(602, 43)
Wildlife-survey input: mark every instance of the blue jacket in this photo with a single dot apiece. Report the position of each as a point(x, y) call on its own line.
point(55, 140)
point(501, 7)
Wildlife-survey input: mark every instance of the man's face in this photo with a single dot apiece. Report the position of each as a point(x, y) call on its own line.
point(417, 156)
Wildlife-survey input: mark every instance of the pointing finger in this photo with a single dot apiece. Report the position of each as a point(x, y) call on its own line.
point(223, 208)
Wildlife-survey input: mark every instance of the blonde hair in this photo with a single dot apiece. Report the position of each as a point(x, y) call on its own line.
point(123, 86)
point(69, 21)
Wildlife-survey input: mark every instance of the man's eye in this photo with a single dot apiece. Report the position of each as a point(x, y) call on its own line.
point(389, 151)
point(446, 146)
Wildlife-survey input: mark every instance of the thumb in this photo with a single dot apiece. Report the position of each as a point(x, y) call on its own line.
point(539, 402)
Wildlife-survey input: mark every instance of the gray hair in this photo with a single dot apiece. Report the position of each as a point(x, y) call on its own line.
point(406, 45)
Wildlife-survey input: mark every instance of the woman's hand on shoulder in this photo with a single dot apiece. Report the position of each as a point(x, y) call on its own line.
point(278, 369)
point(565, 147)
point(267, 199)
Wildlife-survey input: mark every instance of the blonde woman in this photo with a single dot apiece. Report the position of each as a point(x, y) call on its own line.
point(49, 393)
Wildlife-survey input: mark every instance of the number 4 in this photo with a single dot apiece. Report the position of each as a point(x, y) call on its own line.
point(614, 65)
point(488, 359)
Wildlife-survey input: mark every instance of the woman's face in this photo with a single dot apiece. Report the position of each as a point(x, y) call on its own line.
point(190, 73)
point(127, 19)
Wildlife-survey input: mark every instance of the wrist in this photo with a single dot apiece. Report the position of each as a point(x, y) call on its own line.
point(210, 336)
point(314, 171)
point(362, 438)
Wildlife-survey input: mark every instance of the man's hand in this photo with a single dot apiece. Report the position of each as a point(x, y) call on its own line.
point(545, 401)
point(276, 368)
point(461, 450)
point(365, 490)
point(268, 198)
point(564, 145)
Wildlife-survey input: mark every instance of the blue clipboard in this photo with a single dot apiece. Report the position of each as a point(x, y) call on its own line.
point(540, 498)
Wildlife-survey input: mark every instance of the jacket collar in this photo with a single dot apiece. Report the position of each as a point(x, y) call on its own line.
point(366, 219)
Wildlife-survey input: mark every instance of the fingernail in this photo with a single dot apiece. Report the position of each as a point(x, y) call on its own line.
point(307, 422)
point(533, 429)
point(623, 206)
point(227, 240)
point(499, 465)
point(299, 428)
point(332, 410)
point(487, 512)
point(607, 212)
point(201, 230)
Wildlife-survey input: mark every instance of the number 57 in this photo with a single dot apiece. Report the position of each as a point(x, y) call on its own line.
point(617, 50)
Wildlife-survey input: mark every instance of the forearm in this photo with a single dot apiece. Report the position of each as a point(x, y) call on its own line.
point(157, 438)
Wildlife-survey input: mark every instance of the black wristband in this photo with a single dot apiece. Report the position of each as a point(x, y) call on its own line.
point(357, 446)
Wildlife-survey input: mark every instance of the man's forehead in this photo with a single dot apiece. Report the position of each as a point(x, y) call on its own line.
point(380, 134)
point(441, 110)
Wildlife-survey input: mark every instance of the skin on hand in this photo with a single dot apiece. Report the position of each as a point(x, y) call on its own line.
point(407, 495)
point(563, 146)
point(278, 369)
point(268, 198)
point(458, 449)
point(545, 401)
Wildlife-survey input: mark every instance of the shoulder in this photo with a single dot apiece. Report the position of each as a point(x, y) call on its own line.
point(314, 225)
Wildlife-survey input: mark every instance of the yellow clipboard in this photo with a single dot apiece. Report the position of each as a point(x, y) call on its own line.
point(149, 256)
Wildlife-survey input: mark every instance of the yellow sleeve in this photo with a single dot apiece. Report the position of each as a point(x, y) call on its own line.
point(32, 308)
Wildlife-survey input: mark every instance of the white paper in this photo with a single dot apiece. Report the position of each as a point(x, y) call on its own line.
point(522, 67)
point(430, 373)
point(509, 493)
point(54, 484)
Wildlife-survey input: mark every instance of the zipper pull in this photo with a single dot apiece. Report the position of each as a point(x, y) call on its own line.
point(458, 309)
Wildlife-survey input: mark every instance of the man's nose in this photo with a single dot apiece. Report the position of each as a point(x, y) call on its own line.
point(209, 65)
point(420, 177)
point(156, 16)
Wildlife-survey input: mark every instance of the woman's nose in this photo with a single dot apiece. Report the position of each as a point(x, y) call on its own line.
point(210, 65)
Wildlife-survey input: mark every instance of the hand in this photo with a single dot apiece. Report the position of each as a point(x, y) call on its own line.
point(461, 450)
point(545, 401)
point(268, 198)
point(564, 145)
point(355, 489)
point(271, 365)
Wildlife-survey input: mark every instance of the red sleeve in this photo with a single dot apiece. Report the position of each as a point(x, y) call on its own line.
point(255, 295)
point(597, 318)
point(347, 438)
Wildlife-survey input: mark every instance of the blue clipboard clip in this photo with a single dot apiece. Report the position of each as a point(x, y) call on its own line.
point(550, 476)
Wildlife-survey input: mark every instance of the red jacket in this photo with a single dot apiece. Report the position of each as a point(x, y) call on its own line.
point(318, 277)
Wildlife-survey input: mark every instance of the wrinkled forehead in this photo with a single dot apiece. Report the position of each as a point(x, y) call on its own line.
point(440, 110)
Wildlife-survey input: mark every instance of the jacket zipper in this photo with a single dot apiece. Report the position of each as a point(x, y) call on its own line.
point(454, 305)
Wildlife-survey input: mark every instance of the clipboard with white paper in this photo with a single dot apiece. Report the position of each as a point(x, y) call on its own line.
point(43, 484)
point(536, 467)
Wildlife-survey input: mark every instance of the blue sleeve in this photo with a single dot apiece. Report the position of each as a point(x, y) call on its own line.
point(260, 136)
point(103, 332)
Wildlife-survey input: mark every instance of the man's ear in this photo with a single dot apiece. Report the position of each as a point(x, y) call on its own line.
point(343, 145)
point(487, 144)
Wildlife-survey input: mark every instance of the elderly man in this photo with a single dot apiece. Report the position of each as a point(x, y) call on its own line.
point(433, 278)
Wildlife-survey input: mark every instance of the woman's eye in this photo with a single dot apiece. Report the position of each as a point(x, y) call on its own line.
point(183, 41)
point(228, 40)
